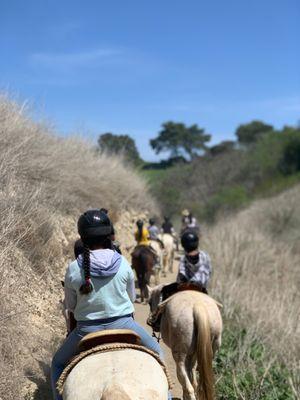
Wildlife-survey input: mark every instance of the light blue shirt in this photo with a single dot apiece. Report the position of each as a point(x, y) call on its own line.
point(112, 296)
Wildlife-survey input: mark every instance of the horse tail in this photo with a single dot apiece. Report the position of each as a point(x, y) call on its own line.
point(204, 353)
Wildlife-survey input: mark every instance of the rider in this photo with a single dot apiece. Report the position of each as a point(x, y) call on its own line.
point(194, 270)
point(193, 223)
point(99, 289)
point(184, 219)
point(189, 222)
point(167, 228)
point(154, 232)
point(195, 265)
point(141, 234)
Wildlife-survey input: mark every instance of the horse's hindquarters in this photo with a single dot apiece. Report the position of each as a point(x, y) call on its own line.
point(168, 242)
point(118, 375)
point(191, 326)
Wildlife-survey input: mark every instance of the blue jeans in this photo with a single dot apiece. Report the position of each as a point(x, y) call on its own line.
point(70, 346)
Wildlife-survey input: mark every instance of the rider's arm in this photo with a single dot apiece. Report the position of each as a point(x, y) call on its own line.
point(205, 269)
point(70, 292)
point(130, 288)
point(181, 278)
point(69, 303)
point(70, 298)
point(181, 272)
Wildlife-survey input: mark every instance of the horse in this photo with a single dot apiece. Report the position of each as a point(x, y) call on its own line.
point(157, 248)
point(191, 326)
point(143, 261)
point(126, 374)
point(168, 254)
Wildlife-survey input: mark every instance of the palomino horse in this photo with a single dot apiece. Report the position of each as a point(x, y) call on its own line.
point(126, 374)
point(143, 261)
point(191, 325)
point(168, 254)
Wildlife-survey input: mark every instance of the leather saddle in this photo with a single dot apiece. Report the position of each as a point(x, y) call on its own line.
point(175, 287)
point(108, 336)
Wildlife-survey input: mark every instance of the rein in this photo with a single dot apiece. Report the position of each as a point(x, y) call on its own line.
point(156, 336)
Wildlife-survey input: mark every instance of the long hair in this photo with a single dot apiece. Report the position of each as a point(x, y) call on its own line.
point(87, 286)
point(105, 243)
point(140, 230)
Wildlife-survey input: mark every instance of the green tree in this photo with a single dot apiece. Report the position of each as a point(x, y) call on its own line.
point(290, 159)
point(222, 147)
point(251, 132)
point(119, 144)
point(180, 140)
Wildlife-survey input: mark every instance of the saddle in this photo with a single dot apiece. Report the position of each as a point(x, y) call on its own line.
point(175, 287)
point(108, 336)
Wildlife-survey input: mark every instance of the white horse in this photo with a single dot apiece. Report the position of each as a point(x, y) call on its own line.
point(126, 374)
point(191, 325)
point(168, 254)
point(157, 268)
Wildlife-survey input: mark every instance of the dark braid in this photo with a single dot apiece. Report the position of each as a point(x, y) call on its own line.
point(140, 232)
point(87, 286)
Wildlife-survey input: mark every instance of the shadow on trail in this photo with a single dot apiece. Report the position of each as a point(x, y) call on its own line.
point(43, 383)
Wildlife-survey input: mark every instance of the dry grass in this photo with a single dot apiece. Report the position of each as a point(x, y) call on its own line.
point(256, 261)
point(45, 181)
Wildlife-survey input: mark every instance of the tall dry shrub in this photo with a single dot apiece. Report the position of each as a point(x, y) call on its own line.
point(45, 182)
point(257, 276)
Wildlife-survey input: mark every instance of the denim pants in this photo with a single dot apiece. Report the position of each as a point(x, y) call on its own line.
point(69, 348)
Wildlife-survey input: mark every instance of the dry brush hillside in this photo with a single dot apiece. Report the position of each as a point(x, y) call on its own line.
point(256, 257)
point(45, 182)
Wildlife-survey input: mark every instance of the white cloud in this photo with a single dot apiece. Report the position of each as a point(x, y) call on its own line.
point(75, 59)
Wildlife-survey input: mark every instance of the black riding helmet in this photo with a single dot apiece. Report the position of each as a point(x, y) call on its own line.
point(139, 223)
point(190, 241)
point(94, 223)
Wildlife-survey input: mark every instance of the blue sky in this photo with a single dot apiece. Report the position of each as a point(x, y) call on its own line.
point(128, 66)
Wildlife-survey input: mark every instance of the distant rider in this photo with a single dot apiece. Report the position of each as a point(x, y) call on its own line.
point(142, 234)
point(167, 228)
point(154, 232)
point(189, 222)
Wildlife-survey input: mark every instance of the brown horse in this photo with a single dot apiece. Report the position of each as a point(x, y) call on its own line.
point(143, 260)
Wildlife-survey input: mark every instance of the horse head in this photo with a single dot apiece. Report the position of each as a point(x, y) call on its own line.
point(154, 296)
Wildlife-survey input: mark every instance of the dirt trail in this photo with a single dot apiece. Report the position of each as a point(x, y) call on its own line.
point(142, 312)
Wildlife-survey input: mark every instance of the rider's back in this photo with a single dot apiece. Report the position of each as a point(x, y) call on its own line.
point(111, 284)
point(167, 227)
point(142, 239)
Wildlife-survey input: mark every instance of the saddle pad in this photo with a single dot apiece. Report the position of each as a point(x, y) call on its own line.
point(108, 336)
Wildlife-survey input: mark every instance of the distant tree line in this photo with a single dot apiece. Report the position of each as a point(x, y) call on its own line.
point(186, 143)
point(263, 161)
